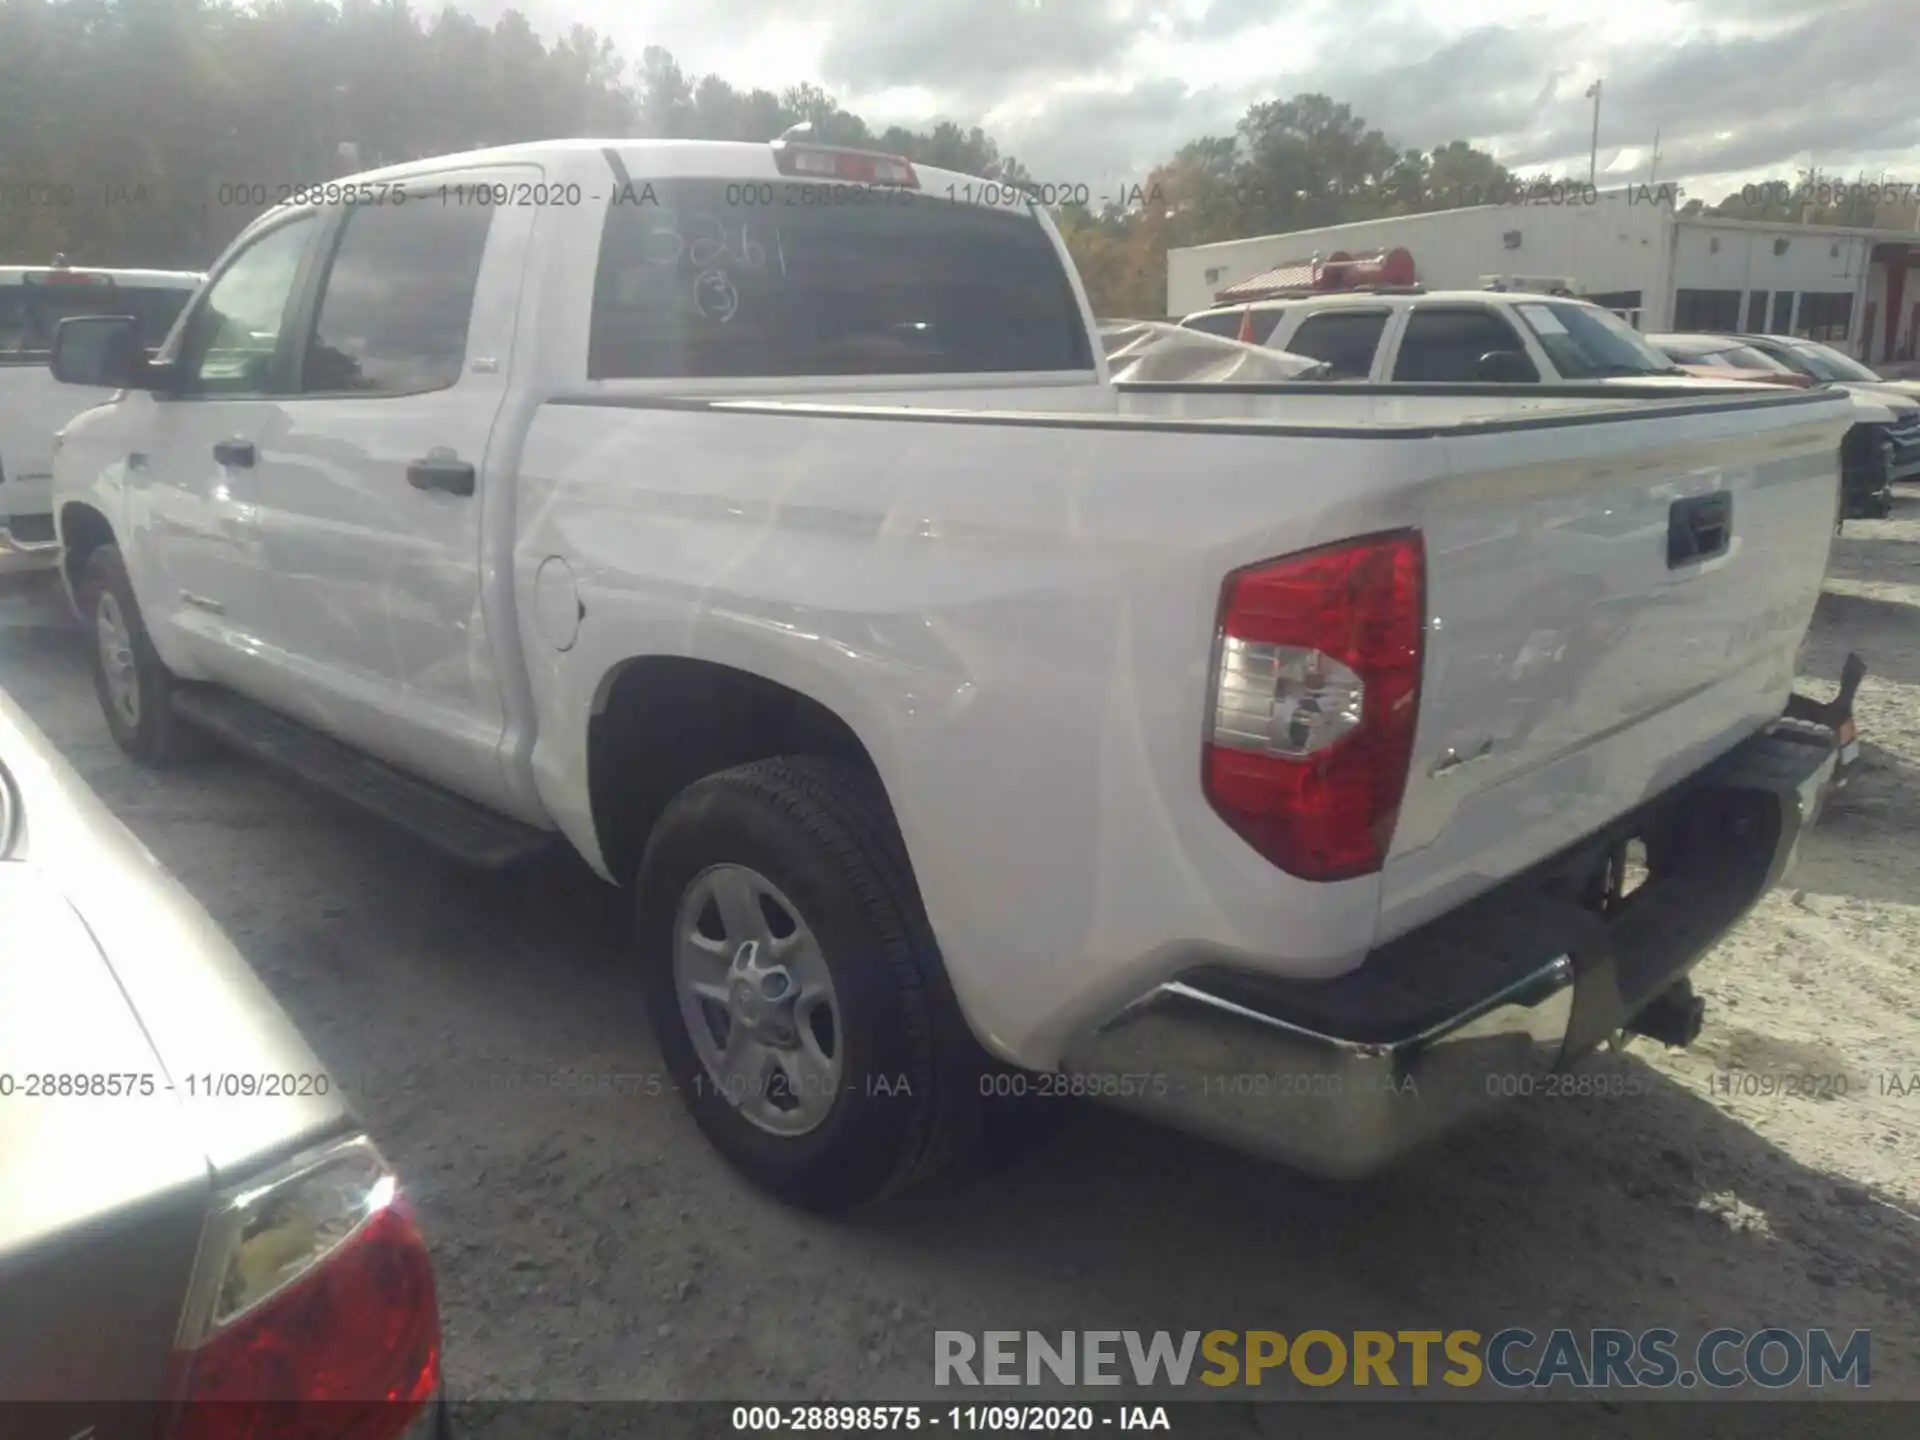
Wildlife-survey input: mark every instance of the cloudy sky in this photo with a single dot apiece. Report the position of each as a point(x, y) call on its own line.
point(1096, 91)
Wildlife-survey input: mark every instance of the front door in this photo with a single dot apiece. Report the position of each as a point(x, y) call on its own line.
point(192, 487)
point(371, 487)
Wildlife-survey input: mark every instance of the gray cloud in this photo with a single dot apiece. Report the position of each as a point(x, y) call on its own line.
point(1830, 78)
point(1112, 138)
point(974, 46)
point(1830, 82)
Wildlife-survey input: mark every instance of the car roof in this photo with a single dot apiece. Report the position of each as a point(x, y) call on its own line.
point(151, 279)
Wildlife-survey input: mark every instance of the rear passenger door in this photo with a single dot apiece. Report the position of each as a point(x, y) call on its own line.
point(1345, 340)
point(371, 494)
point(1444, 344)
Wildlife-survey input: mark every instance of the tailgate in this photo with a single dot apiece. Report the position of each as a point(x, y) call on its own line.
point(1610, 606)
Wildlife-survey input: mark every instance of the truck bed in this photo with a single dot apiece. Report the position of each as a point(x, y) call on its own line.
point(1015, 607)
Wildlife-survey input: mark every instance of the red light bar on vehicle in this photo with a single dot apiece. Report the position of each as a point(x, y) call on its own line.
point(859, 167)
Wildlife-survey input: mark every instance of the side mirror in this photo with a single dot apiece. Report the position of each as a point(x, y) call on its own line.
point(99, 350)
point(1504, 367)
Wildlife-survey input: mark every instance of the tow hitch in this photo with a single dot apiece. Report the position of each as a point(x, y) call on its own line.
point(1830, 722)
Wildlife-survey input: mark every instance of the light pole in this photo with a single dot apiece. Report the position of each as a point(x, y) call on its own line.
point(1593, 155)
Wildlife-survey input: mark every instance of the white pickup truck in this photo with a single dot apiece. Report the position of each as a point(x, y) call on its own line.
point(34, 299)
point(759, 521)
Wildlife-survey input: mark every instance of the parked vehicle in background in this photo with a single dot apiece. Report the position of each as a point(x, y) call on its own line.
point(1721, 355)
point(1410, 335)
point(189, 1210)
point(1886, 446)
point(34, 299)
point(1827, 365)
point(766, 526)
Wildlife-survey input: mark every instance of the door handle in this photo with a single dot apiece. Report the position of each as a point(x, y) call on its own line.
point(1699, 528)
point(440, 471)
point(234, 452)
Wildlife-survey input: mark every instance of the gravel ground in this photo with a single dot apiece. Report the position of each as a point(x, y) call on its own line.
point(592, 1247)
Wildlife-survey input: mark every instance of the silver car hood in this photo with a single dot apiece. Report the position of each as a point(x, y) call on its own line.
point(109, 966)
point(1893, 396)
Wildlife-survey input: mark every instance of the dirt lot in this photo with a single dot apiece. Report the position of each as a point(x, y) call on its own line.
point(593, 1247)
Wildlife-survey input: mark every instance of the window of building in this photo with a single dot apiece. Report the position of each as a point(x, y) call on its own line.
point(1706, 310)
point(1826, 315)
point(1757, 311)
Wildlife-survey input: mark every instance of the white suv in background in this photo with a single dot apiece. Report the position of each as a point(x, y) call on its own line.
point(1453, 336)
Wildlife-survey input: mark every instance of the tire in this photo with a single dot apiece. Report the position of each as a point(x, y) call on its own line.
point(903, 1103)
point(135, 689)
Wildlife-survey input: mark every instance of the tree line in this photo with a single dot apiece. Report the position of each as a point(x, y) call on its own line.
point(149, 132)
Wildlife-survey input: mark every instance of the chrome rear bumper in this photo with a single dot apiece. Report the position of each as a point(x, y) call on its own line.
point(1342, 1077)
point(22, 558)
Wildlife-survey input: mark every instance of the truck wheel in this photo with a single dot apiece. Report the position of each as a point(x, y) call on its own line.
point(792, 980)
point(134, 687)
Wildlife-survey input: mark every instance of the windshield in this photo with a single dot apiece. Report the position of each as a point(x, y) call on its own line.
point(1585, 342)
point(1826, 363)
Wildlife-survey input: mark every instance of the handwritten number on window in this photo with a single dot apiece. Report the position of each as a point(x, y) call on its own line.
point(704, 243)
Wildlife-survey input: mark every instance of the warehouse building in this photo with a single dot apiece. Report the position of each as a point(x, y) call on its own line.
point(1629, 251)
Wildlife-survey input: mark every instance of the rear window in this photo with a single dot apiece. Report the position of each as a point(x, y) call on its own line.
point(729, 279)
point(30, 312)
point(1345, 339)
point(1447, 345)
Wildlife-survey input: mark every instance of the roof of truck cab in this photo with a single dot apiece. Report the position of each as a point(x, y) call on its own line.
point(655, 160)
point(153, 279)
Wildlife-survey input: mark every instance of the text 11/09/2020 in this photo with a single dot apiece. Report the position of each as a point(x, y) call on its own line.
point(1026, 1419)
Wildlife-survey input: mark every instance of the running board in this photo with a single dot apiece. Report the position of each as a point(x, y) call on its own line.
point(453, 825)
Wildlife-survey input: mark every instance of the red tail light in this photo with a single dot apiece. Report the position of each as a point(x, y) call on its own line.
point(1316, 693)
point(315, 1312)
